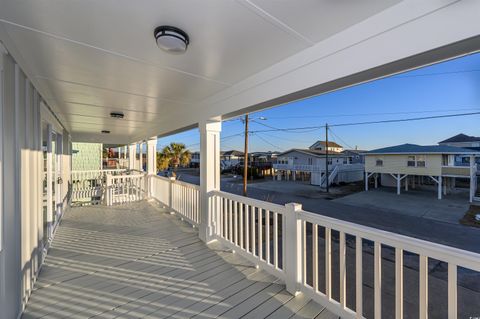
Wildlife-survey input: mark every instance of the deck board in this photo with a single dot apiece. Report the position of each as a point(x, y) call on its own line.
point(137, 261)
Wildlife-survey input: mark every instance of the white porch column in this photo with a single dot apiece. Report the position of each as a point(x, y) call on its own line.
point(50, 158)
point(366, 181)
point(398, 183)
point(473, 177)
point(140, 156)
point(406, 183)
point(132, 153)
point(152, 156)
point(209, 174)
point(125, 150)
point(440, 187)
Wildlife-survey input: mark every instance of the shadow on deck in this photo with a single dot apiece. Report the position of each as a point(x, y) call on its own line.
point(136, 261)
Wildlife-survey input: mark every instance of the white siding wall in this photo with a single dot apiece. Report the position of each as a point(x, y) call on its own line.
point(21, 222)
point(299, 158)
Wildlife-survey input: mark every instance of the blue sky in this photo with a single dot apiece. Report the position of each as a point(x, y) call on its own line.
point(445, 88)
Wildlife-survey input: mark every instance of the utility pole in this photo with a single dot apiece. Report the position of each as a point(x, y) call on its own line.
point(326, 154)
point(245, 157)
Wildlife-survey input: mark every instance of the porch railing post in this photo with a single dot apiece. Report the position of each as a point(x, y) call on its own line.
point(209, 175)
point(293, 248)
point(108, 186)
point(151, 163)
point(170, 192)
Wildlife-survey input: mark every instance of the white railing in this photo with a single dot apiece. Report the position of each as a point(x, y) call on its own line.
point(160, 189)
point(182, 198)
point(253, 228)
point(401, 244)
point(302, 248)
point(121, 189)
point(88, 186)
point(291, 243)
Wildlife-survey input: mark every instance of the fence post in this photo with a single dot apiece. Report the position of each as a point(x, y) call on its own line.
point(293, 248)
point(108, 186)
point(170, 192)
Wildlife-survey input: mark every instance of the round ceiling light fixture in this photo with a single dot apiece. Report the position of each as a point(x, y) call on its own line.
point(171, 39)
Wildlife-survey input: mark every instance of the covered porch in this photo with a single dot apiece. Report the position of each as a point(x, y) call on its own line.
point(138, 261)
point(93, 71)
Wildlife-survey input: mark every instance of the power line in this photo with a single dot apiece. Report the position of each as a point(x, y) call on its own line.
point(372, 114)
point(276, 146)
point(369, 122)
point(339, 138)
point(273, 128)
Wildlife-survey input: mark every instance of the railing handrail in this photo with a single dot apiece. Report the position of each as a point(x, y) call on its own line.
point(250, 201)
point(100, 170)
point(194, 186)
point(127, 176)
point(441, 252)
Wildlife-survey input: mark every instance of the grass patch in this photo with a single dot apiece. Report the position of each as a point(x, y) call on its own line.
point(469, 218)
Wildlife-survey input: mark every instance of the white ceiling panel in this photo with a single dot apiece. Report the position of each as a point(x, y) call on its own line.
point(89, 110)
point(67, 61)
point(320, 19)
point(81, 94)
point(228, 41)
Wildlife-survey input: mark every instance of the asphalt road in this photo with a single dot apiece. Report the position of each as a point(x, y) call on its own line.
point(459, 236)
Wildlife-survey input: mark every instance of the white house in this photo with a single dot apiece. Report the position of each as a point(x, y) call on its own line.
point(311, 165)
point(230, 158)
point(322, 146)
point(409, 165)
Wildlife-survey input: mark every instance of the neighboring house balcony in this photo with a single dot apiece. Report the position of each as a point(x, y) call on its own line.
point(459, 171)
point(317, 168)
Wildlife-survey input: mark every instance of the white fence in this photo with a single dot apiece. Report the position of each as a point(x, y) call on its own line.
point(182, 198)
point(123, 189)
point(298, 247)
point(253, 228)
point(88, 186)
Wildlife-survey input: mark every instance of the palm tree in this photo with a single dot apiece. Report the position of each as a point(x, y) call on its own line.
point(173, 155)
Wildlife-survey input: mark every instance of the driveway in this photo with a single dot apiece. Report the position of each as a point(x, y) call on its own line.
point(417, 203)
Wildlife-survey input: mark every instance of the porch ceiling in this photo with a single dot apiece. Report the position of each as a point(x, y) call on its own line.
point(89, 58)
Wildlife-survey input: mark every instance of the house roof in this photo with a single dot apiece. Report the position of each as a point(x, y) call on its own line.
point(316, 153)
point(232, 153)
point(355, 151)
point(459, 138)
point(422, 149)
point(323, 143)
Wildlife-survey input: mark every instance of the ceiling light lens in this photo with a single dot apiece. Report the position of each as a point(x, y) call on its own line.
point(171, 39)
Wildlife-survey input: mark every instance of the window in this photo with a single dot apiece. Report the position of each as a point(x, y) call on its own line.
point(420, 161)
point(310, 161)
point(445, 160)
point(330, 161)
point(379, 162)
point(416, 161)
point(411, 161)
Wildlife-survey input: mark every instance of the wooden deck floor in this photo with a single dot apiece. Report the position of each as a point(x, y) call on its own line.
point(135, 261)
